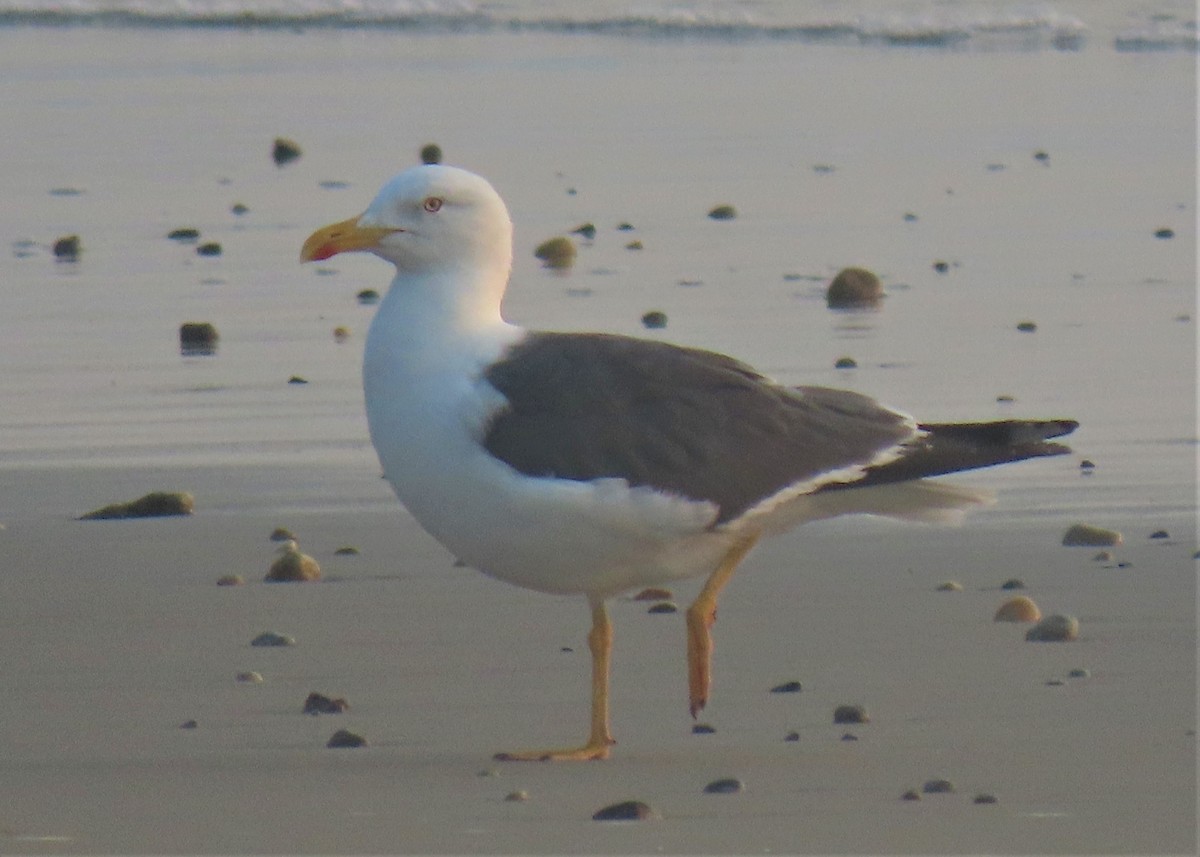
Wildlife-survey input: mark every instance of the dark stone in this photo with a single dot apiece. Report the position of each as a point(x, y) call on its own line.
point(849, 736)
point(792, 736)
point(319, 703)
point(211, 248)
point(198, 338)
point(654, 319)
point(284, 151)
point(1164, 233)
point(935, 787)
point(1027, 326)
point(184, 234)
point(345, 738)
point(431, 153)
point(985, 799)
point(367, 297)
point(1160, 534)
point(702, 729)
point(723, 212)
point(663, 607)
point(270, 639)
point(238, 209)
point(558, 252)
point(188, 724)
point(296, 379)
point(853, 287)
point(157, 504)
point(628, 810)
point(845, 363)
point(787, 687)
point(348, 550)
point(911, 794)
point(1013, 583)
point(850, 714)
point(587, 230)
point(724, 786)
point(941, 267)
point(67, 248)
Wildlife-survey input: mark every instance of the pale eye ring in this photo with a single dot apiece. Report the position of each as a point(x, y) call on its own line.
point(432, 204)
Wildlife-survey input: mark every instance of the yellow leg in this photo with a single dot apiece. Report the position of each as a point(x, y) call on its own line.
point(700, 617)
point(599, 740)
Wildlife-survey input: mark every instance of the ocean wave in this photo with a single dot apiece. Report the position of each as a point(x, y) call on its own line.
point(953, 28)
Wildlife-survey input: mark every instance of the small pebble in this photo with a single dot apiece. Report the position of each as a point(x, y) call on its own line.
point(585, 230)
point(292, 566)
point(845, 363)
point(702, 729)
point(519, 796)
point(249, 677)
point(849, 736)
point(625, 226)
point(239, 209)
point(67, 248)
point(1026, 326)
point(950, 586)
point(628, 810)
point(937, 787)
point(558, 252)
point(723, 212)
point(941, 267)
point(346, 738)
point(188, 724)
point(792, 736)
point(1164, 233)
point(1019, 609)
point(724, 786)
point(663, 607)
point(348, 550)
point(850, 714)
point(270, 638)
point(1103, 556)
point(431, 153)
point(653, 593)
point(209, 248)
point(1005, 399)
point(284, 151)
point(787, 687)
point(1013, 583)
point(1087, 464)
point(654, 319)
point(1054, 629)
point(282, 534)
point(909, 217)
point(366, 297)
point(198, 338)
point(984, 799)
point(296, 379)
point(1086, 535)
point(157, 504)
point(635, 245)
point(230, 580)
point(1055, 682)
point(854, 287)
point(1160, 534)
point(1079, 672)
point(341, 333)
point(318, 703)
point(184, 234)
point(1042, 157)
point(911, 794)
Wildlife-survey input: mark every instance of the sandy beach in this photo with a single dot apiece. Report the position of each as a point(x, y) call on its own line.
point(117, 635)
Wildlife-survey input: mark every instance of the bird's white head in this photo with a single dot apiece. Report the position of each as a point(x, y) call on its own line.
point(429, 221)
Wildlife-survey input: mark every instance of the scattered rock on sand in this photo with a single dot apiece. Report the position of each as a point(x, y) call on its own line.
point(284, 151)
point(297, 379)
point(188, 724)
point(703, 729)
point(1160, 534)
point(209, 248)
point(984, 799)
point(787, 687)
point(249, 677)
point(1086, 535)
point(725, 786)
point(1103, 556)
point(1079, 672)
point(184, 234)
point(198, 337)
point(854, 287)
point(1027, 326)
point(1164, 233)
point(230, 580)
point(67, 248)
point(157, 504)
point(1019, 609)
point(319, 703)
point(292, 566)
point(950, 586)
point(1013, 583)
point(558, 252)
point(850, 714)
point(519, 796)
point(1054, 629)
point(911, 794)
point(635, 245)
point(431, 153)
point(845, 363)
point(585, 230)
point(345, 738)
point(937, 787)
point(367, 297)
point(239, 209)
point(341, 333)
point(723, 212)
point(347, 550)
point(663, 607)
point(941, 266)
point(626, 810)
point(654, 319)
point(792, 736)
point(269, 639)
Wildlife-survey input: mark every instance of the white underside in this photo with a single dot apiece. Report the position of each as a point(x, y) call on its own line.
point(427, 408)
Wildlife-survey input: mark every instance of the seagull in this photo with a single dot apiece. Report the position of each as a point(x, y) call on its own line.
point(591, 463)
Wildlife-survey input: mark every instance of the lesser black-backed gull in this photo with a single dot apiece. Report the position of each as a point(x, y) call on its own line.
point(592, 464)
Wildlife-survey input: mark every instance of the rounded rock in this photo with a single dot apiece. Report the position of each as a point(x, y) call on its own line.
point(519, 796)
point(210, 248)
point(268, 639)
point(654, 320)
point(722, 212)
point(67, 248)
point(853, 287)
point(787, 687)
point(230, 580)
point(367, 297)
point(850, 714)
point(1027, 326)
point(185, 234)
point(344, 738)
point(1086, 535)
point(950, 586)
point(663, 607)
point(1013, 583)
point(937, 786)
point(156, 504)
point(984, 799)
point(911, 794)
point(198, 337)
point(627, 810)
point(1019, 609)
point(292, 566)
point(284, 151)
point(249, 677)
point(724, 786)
point(318, 703)
point(845, 363)
point(558, 252)
point(1054, 629)
point(431, 153)
point(703, 729)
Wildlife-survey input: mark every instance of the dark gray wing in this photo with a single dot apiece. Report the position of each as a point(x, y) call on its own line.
point(684, 421)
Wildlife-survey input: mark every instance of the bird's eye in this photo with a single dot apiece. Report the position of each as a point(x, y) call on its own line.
point(432, 203)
